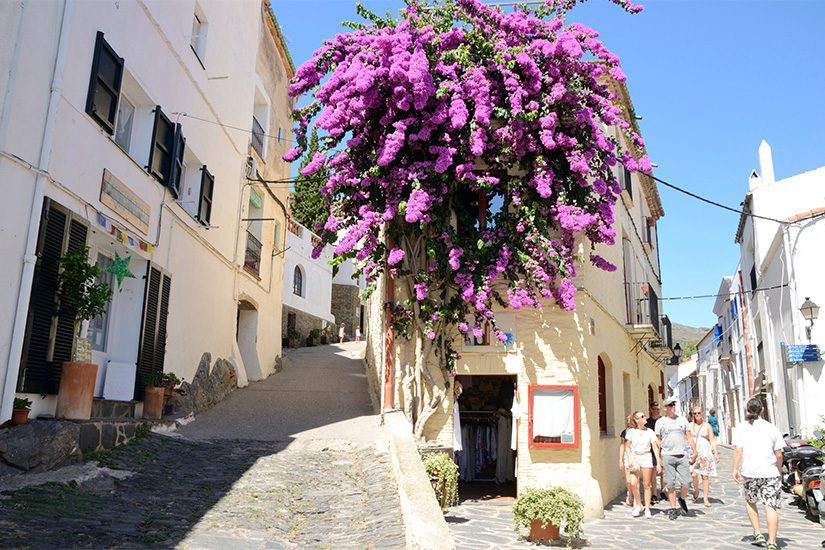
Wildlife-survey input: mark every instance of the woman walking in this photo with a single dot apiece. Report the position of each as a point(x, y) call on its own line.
point(629, 497)
point(638, 461)
point(708, 454)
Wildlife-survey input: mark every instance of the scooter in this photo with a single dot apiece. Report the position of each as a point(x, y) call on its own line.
point(800, 460)
point(792, 442)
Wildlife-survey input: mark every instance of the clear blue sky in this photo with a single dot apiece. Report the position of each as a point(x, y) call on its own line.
point(710, 79)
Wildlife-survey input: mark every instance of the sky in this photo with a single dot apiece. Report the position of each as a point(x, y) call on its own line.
point(711, 79)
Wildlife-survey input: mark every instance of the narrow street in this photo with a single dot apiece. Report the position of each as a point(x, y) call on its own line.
point(288, 462)
point(722, 526)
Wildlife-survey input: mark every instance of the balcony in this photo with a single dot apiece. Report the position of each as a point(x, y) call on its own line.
point(643, 315)
point(252, 258)
point(258, 137)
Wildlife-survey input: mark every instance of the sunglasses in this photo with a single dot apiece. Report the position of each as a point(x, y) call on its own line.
point(641, 416)
point(694, 414)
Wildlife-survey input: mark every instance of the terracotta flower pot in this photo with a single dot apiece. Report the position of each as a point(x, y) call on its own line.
point(77, 391)
point(153, 403)
point(19, 416)
point(548, 532)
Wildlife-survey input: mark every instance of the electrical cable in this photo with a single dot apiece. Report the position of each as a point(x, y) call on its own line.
point(724, 294)
point(714, 203)
point(216, 123)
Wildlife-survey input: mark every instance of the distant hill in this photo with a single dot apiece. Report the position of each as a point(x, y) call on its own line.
point(687, 337)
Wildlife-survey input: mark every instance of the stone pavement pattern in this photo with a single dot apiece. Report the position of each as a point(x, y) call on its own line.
point(722, 526)
point(292, 485)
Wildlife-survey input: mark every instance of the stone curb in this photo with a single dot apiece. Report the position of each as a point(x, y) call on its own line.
point(424, 522)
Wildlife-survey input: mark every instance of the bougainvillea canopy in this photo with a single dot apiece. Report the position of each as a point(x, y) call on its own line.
point(470, 150)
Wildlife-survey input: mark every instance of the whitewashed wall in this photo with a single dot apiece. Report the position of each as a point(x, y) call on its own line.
point(316, 297)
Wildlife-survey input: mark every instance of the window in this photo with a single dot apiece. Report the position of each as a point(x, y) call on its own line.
point(651, 229)
point(99, 326)
point(125, 119)
point(276, 237)
point(298, 282)
point(753, 279)
point(205, 202)
point(104, 84)
point(602, 397)
point(260, 123)
point(626, 181)
point(553, 416)
point(198, 41)
point(166, 154)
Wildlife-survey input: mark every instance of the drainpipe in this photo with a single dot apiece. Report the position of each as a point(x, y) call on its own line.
point(748, 358)
point(29, 256)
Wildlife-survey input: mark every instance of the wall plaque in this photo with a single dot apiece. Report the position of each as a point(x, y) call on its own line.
point(124, 201)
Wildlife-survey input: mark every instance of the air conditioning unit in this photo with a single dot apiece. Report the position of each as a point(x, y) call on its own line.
point(251, 167)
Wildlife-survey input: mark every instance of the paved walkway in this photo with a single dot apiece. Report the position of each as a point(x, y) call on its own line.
point(289, 462)
point(722, 526)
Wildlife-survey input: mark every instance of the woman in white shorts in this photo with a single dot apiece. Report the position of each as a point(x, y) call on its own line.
point(639, 442)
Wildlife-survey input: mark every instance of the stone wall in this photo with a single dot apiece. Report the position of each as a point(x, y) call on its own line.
point(346, 307)
point(43, 445)
point(304, 323)
point(208, 387)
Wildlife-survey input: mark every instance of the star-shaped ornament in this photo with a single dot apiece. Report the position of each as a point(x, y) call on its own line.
point(120, 268)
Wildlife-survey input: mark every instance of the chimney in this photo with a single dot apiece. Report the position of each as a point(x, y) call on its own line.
point(766, 163)
point(754, 181)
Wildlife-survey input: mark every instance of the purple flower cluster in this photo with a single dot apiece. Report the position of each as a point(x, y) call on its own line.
point(427, 129)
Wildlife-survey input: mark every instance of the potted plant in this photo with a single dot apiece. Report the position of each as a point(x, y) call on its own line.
point(325, 335)
point(314, 337)
point(20, 411)
point(153, 395)
point(80, 296)
point(170, 383)
point(294, 338)
point(546, 511)
point(443, 474)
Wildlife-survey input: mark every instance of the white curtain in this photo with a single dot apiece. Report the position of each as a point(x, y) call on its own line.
point(553, 413)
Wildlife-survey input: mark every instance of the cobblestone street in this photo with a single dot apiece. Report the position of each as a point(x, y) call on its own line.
point(292, 487)
point(722, 526)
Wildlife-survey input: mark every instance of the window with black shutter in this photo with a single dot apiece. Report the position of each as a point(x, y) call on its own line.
point(152, 345)
point(47, 342)
point(162, 151)
point(207, 186)
point(177, 161)
point(104, 84)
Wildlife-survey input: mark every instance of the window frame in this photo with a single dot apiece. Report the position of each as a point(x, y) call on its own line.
point(200, 51)
point(298, 281)
point(125, 148)
point(531, 389)
point(107, 122)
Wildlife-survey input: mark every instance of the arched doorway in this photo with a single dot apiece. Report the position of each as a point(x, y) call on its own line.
point(247, 337)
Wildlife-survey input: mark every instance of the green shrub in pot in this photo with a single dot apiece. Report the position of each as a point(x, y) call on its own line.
point(444, 473)
point(555, 505)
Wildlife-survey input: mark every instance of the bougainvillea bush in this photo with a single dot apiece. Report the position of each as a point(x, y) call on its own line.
point(470, 149)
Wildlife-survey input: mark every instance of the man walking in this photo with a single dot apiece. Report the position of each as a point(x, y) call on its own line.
point(674, 437)
point(757, 462)
point(653, 416)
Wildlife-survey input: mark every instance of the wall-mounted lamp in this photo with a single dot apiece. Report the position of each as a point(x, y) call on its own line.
point(677, 355)
point(810, 311)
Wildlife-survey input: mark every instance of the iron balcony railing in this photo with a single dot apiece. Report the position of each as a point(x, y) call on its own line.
point(257, 137)
point(252, 259)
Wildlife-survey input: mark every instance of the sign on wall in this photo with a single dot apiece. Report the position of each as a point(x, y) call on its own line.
point(803, 353)
point(117, 196)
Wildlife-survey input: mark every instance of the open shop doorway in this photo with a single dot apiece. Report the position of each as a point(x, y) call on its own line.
point(487, 407)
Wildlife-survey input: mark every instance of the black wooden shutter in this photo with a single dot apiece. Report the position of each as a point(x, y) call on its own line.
point(104, 84)
point(47, 342)
point(161, 150)
point(152, 346)
point(207, 187)
point(177, 161)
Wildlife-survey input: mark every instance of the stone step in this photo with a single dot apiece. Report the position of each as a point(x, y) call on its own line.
point(107, 408)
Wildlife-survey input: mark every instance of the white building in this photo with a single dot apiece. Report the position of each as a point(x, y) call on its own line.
point(711, 383)
point(307, 295)
point(782, 265)
point(116, 131)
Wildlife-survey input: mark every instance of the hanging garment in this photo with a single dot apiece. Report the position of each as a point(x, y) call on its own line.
point(514, 412)
point(504, 464)
point(457, 446)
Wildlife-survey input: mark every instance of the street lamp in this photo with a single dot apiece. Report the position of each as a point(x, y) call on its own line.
point(677, 354)
point(810, 311)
